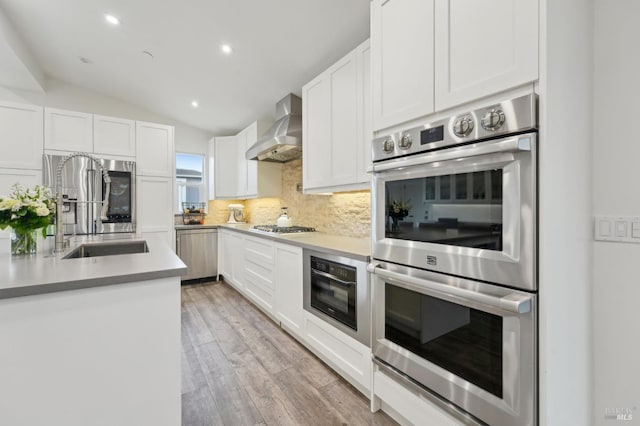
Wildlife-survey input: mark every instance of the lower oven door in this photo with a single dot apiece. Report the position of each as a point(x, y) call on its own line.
point(473, 344)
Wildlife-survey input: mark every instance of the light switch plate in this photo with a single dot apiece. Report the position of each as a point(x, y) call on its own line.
point(624, 229)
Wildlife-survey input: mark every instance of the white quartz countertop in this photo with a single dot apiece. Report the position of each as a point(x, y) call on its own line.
point(48, 273)
point(357, 248)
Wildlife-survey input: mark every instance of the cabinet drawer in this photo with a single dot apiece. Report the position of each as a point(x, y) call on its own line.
point(349, 357)
point(259, 251)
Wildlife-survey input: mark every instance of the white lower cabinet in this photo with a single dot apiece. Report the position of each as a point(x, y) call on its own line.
point(230, 258)
point(259, 265)
point(289, 282)
point(346, 355)
point(406, 406)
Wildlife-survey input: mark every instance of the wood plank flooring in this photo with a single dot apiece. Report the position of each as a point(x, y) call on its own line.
point(240, 368)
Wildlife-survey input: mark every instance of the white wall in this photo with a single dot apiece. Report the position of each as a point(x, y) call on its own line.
point(616, 287)
point(565, 197)
point(60, 94)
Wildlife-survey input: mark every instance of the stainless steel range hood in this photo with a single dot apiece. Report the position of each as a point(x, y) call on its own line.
point(283, 141)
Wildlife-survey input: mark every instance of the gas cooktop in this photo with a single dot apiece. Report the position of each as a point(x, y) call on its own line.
point(275, 229)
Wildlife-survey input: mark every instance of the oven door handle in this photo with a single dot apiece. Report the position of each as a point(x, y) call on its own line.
point(513, 302)
point(332, 277)
point(515, 144)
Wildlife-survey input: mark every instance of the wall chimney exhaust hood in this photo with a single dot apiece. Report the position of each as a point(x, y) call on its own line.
point(283, 141)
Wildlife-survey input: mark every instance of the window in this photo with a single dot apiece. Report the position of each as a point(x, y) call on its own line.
point(190, 179)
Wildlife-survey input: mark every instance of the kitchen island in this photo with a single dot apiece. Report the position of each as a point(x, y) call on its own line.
point(91, 340)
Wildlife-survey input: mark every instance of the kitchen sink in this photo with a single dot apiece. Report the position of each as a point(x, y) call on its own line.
point(110, 248)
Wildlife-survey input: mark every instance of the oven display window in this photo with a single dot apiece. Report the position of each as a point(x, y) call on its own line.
point(464, 341)
point(463, 209)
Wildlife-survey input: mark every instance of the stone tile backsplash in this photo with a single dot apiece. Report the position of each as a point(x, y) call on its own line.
point(346, 213)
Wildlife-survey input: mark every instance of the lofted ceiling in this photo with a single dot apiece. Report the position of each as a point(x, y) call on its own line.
point(278, 46)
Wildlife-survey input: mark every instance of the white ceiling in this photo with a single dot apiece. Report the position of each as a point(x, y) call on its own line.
point(278, 46)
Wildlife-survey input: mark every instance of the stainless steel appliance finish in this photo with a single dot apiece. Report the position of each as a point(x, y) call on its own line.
point(498, 119)
point(472, 343)
point(283, 141)
point(275, 229)
point(82, 185)
point(339, 284)
point(198, 249)
point(109, 248)
point(474, 205)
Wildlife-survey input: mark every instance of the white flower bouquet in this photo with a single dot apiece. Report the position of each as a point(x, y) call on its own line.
point(26, 211)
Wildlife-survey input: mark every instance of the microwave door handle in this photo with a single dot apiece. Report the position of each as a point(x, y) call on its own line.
point(332, 277)
point(515, 303)
point(515, 144)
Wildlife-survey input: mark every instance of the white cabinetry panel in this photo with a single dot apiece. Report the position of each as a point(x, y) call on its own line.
point(289, 282)
point(347, 355)
point(316, 112)
point(114, 136)
point(235, 177)
point(343, 80)
point(155, 150)
point(335, 118)
point(365, 117)
point(26, 178)
point(155, 206)
point(68, 130)
point(21, 128)
point(402, 42)
point(225, 160)
point(483, 48)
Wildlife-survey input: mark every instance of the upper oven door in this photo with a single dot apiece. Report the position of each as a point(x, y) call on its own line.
point(472, 343)
point(468, 211)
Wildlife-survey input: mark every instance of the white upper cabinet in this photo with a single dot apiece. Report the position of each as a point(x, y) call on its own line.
point(402, 60)
point(364, 115)
point(155, 150)
point(68, 130)
point(114, 136)
point(335, 125)
point(22, 136)
point(316, 133)
point(483, 48)
point(225, 167)
point(235, 177)
point(430, 55)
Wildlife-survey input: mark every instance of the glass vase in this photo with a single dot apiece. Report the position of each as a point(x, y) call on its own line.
point(23, 242)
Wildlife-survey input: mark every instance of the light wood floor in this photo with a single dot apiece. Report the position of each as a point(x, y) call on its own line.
point(240, 368)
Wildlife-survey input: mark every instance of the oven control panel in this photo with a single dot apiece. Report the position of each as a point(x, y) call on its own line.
point(494, 120)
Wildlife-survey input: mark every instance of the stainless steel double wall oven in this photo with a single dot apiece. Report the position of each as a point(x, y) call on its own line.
point(455, 272)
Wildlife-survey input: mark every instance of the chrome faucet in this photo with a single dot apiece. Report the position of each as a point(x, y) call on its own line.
point(59, 241)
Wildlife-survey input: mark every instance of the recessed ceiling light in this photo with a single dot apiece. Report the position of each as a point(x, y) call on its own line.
point(111, 19)
point(226, 49)
point(194, 104)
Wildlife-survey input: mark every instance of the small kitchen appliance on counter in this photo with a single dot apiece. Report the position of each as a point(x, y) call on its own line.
point(236, 213)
